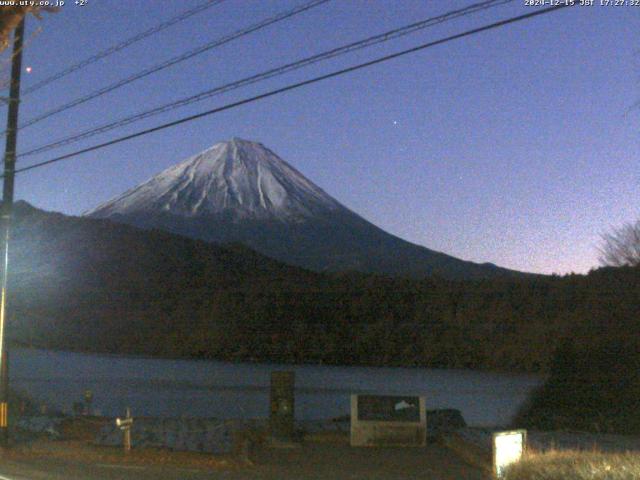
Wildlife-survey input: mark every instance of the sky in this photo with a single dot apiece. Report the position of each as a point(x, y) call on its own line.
point(517, 146)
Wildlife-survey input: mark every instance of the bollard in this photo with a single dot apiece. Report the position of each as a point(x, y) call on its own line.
point(88, 399)
point(282, 406)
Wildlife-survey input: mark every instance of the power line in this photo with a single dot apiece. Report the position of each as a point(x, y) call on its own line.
point(175, 60)
point(274, 72)
point(294, 86)
point(122, 45)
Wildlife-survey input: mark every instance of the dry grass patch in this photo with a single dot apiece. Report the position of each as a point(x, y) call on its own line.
point(578, 465)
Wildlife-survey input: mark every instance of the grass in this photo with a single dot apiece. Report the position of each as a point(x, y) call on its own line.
point(75, 451)
point(76, 445)
point(576, 465)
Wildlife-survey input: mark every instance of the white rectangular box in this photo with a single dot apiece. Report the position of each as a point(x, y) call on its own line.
point(508, 448)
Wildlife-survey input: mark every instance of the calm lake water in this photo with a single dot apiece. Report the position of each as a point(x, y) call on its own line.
point(187, 388)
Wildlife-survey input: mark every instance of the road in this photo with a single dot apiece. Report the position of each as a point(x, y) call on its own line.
point(309, 462)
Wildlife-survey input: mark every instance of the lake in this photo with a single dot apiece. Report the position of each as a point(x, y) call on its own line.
point(198, 388)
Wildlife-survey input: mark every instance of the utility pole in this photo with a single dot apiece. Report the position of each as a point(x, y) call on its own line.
point(5, 220)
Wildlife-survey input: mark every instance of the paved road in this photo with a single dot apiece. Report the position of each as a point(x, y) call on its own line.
point(310, 462)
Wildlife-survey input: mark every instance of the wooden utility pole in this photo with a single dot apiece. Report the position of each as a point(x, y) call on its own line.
point(5, 220)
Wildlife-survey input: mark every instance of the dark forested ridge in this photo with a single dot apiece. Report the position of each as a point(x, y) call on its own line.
point(93, 285)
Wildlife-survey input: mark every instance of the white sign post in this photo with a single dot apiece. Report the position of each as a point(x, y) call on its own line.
point(508, 448)
point(125, 425)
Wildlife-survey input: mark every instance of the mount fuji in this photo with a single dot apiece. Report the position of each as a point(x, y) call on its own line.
point(240, 191)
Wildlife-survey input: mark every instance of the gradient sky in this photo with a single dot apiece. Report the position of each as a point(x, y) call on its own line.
point(517, 146)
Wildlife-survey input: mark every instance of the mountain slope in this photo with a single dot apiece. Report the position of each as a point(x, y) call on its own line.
point(240, 191)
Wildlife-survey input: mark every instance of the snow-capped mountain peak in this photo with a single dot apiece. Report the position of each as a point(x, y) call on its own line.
point(240, 191)
point(240, 179)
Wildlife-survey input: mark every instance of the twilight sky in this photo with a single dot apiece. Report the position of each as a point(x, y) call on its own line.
point(517, 146)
